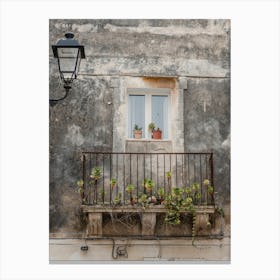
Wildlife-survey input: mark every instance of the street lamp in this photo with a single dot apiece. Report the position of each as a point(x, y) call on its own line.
point(69, 53)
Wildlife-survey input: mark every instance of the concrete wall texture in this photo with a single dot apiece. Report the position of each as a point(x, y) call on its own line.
point(191, 56)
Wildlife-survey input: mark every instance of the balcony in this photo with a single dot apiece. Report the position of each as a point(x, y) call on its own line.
point(150, 187)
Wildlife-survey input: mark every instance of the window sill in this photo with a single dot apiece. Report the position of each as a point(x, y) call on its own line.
point(148, 145)
point(148, 140)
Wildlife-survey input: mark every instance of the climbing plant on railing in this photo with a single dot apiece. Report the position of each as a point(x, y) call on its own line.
point(80, 185)
point(129, 189)
point(95, 175)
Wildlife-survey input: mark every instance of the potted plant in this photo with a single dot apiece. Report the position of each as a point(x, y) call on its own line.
point(113, 183)
point(143, 200)
point(151, 128)
point(129, 189)
point(157, 134)
point(160, 193)
point(137, 132)
point(149, 185)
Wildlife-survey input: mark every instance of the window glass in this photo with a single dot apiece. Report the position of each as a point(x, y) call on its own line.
point(136, 113)
point(160, 113)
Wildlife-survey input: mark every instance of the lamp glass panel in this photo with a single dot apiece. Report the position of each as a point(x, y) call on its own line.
point(67, 60)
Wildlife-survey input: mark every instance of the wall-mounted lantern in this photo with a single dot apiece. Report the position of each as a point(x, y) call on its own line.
point(69, 53)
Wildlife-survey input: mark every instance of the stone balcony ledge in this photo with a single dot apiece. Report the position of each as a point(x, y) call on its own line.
point(136, 209)
point(148, 216)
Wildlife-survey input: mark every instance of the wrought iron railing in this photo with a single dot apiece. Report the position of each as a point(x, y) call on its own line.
point(107, 175)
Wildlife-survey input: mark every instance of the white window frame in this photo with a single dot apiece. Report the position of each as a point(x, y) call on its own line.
point(148, 93)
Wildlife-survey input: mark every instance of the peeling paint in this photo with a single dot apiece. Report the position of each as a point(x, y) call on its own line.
point(160, 82)
point(74, 135)
point(226, 143)
point(172, 30)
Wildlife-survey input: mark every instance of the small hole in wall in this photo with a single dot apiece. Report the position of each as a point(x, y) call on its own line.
point(84, 248)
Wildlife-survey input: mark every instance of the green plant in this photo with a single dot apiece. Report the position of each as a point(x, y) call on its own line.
point(188, 191)
point(95, 173)
point(188, 204)
point(197, 196)
point(136, 127)
point(173, 217)
point(151, 126)
point(206, 182)
point(220, 211)
point(118, 199)
point(174, 203)
point(211, 193)
point(196, 187)
point(168, 175)
point(197, 193)
point(80, 184)
point(143, 200)
point(149, 185)
point(161, 193)
point(129, 189)
point(193, 227)
point(177, 192)
point(210, 190)
point(113, 183)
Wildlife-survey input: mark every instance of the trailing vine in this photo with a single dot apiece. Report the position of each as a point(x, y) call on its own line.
point(193, 227)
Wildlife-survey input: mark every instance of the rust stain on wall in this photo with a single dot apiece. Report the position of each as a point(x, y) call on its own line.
point(160, 82)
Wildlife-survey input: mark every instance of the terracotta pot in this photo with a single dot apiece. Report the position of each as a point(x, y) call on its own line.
point(157, 134)
point(137, 134)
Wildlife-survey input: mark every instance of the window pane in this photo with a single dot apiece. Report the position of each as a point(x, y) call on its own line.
point(160, 113)
point(136, 114)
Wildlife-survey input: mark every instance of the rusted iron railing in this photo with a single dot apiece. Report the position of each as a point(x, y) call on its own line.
point(186, 169)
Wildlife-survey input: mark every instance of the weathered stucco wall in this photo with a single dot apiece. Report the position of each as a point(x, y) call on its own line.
point(195, 52)
point(207, 126)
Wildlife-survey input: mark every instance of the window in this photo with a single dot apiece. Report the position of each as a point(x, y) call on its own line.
point(146, 106)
